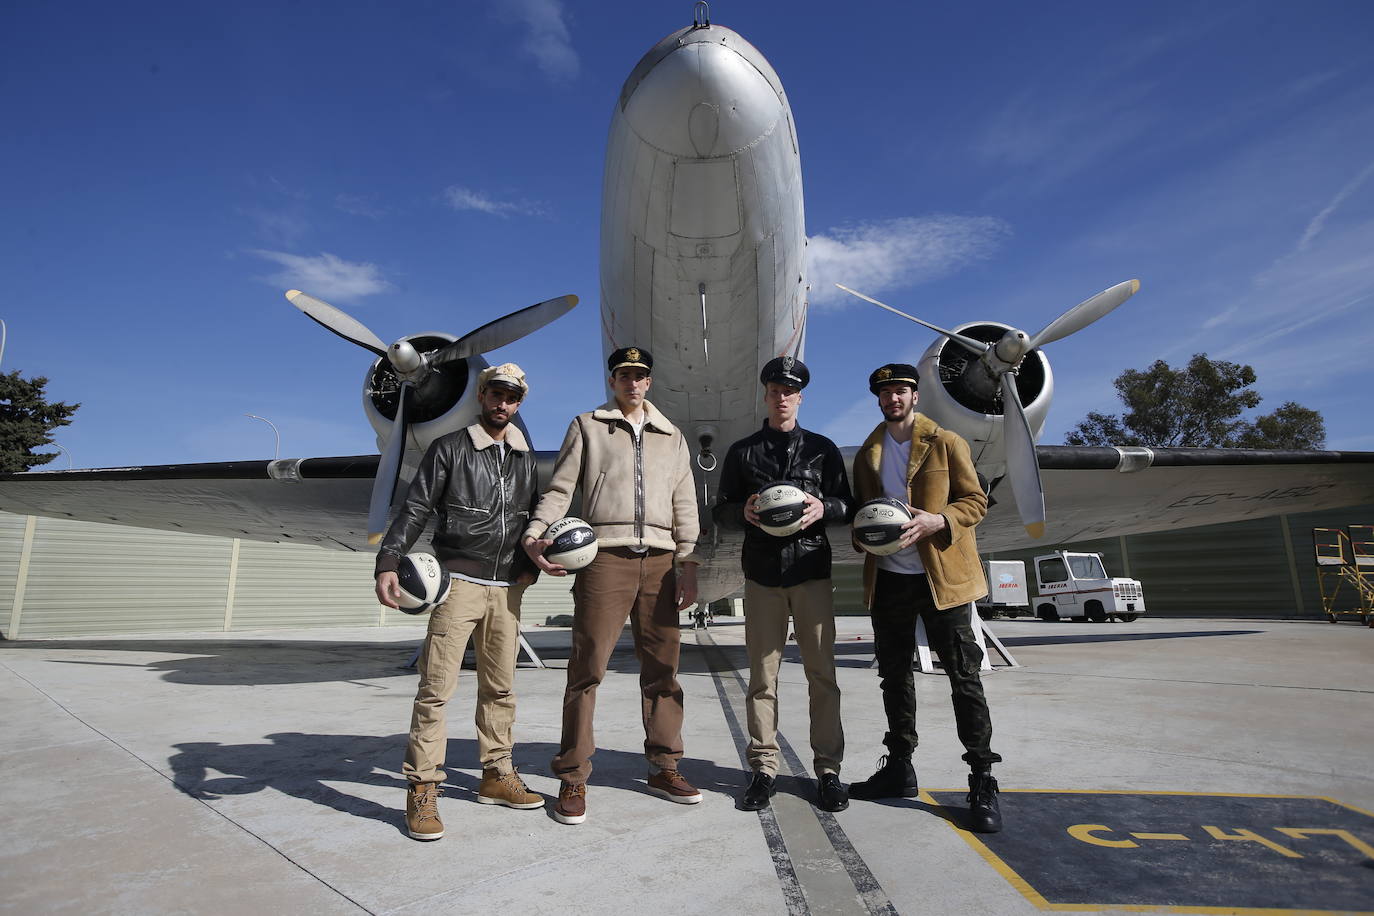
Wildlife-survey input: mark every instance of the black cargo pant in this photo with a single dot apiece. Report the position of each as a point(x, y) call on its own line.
point(897, 601)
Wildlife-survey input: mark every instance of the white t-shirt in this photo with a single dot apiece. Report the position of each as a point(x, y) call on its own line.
point(896, 457)
point(500, 447)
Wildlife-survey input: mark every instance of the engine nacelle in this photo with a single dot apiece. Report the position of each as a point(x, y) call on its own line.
point(443, 400)
point(960, 394)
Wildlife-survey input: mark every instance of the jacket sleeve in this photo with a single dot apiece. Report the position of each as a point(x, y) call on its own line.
point(426, 489)
point(728, 512)
point(522, 563)
point(686, 524)
point(839, 502)
point(967, 502)
point(567, 470)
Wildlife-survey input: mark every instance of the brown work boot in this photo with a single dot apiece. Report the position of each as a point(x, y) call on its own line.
point(507, 789)
point(572, 804)
point(422, 811)
point(671, 785)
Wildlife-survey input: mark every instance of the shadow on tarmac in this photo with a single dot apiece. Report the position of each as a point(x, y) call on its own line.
point(299, 765)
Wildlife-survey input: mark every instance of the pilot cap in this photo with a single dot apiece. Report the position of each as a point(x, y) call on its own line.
point(630, 356)
point(507, 375)
point(894, 374)
point(786, 370)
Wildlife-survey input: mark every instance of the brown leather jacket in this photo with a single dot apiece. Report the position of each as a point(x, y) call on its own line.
point(940, 479)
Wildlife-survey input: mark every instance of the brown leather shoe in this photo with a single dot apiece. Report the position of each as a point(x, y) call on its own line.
point(507, 789)
point(422, 811)
point(572, 804)
point(671, 785)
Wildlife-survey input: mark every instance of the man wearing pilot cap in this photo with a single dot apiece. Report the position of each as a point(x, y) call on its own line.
point(788, 577)
point(935, 577)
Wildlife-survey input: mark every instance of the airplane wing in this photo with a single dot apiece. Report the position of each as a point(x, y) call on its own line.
point(1106, 492)
point(1090, 493)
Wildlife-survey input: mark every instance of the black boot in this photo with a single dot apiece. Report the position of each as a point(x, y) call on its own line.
point(983, 813)
point(896, 778)
point(759, 790)
point(830, 795)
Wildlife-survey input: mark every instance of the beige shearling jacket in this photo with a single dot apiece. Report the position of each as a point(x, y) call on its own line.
point(633, 494)
point(940, 479)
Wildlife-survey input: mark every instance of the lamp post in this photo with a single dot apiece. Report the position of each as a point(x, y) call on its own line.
point(276, 453)
point(64, 452)
point(4, 332)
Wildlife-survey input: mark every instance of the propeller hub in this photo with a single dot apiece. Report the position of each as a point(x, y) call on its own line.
point(1013, 346)
point(404, 357)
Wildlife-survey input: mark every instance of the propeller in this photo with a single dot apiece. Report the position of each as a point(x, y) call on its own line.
point(1002, 360)
point(413, 367)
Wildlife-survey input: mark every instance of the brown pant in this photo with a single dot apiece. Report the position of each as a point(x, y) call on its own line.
point(618, 584)
point(490, 614)
point(766, 612)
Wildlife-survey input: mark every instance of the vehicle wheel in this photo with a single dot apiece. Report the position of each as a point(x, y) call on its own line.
point(1129, 618)
point(1093, 611)
point(1047, 612)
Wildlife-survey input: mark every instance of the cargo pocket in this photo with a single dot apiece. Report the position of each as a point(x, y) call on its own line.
point(968, 657)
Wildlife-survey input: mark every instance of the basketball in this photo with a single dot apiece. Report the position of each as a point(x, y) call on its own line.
point(878, 526)
point(424, 583)
point(780, 507)
point(574, 543)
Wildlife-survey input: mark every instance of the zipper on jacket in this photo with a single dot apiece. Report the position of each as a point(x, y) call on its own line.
point(639, 484)
point(501, 488)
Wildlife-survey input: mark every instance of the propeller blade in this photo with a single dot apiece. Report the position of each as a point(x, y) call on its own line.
point(1022, 466)
point(384, 484)
point(341, 323)
point(1085, 313)
point(975, 346)
point(502, 331)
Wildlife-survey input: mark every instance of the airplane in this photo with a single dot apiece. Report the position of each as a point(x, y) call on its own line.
point(703, 262)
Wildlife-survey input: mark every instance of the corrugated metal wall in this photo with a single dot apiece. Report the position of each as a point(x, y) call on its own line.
point(1241, 569)
point(89, 579)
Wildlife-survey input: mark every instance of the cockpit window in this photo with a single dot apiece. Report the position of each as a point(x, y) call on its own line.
point(1087, 567)
point(1053, 571)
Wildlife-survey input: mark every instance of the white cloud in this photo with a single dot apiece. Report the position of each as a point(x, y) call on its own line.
point(325, 275)
point(359, 205)
point(461, 198)
point(876, 257)
point(547, 40)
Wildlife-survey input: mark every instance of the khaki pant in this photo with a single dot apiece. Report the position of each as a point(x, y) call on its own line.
point(618, 584)
point(490, 614)
point(766, 611)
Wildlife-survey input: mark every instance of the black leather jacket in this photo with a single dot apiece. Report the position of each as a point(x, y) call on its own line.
point(482, 503)
point(804, 459)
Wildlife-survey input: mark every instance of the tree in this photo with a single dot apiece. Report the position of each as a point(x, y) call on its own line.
point(1199, 406)
point(27, 420)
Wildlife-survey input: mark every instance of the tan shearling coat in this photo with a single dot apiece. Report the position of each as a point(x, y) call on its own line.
point(940, 479)
point(630, 499)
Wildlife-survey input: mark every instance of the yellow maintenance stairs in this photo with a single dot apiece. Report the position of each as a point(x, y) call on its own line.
point(1345, 564)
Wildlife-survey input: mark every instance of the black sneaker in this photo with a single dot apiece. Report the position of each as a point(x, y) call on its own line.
point(896, 778)
point(983, 813)
point(761, 788)
point(830, 795)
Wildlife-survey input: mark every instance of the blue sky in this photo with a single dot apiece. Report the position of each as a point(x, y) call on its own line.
point(170, 169)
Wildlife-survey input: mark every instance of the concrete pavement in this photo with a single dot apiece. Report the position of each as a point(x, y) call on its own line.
point(259, 772)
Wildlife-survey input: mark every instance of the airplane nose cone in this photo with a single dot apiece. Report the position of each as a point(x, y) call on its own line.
point(704, 100)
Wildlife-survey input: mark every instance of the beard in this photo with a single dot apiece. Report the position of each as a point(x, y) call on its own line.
point(898, 417)
point(491, 421)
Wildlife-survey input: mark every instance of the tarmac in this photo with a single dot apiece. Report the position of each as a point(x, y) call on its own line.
point(1185, 765)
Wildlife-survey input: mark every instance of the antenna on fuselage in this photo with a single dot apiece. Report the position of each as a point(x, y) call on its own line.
point(701, 15)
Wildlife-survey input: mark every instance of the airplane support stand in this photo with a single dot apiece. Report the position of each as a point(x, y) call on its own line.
point(925, 662)
point(524, 647)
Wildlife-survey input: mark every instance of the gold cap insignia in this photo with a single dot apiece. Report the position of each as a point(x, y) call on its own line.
point(884, 372)
point(632, 354)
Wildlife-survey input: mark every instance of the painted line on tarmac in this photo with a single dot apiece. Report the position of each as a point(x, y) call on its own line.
point(816, 833)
